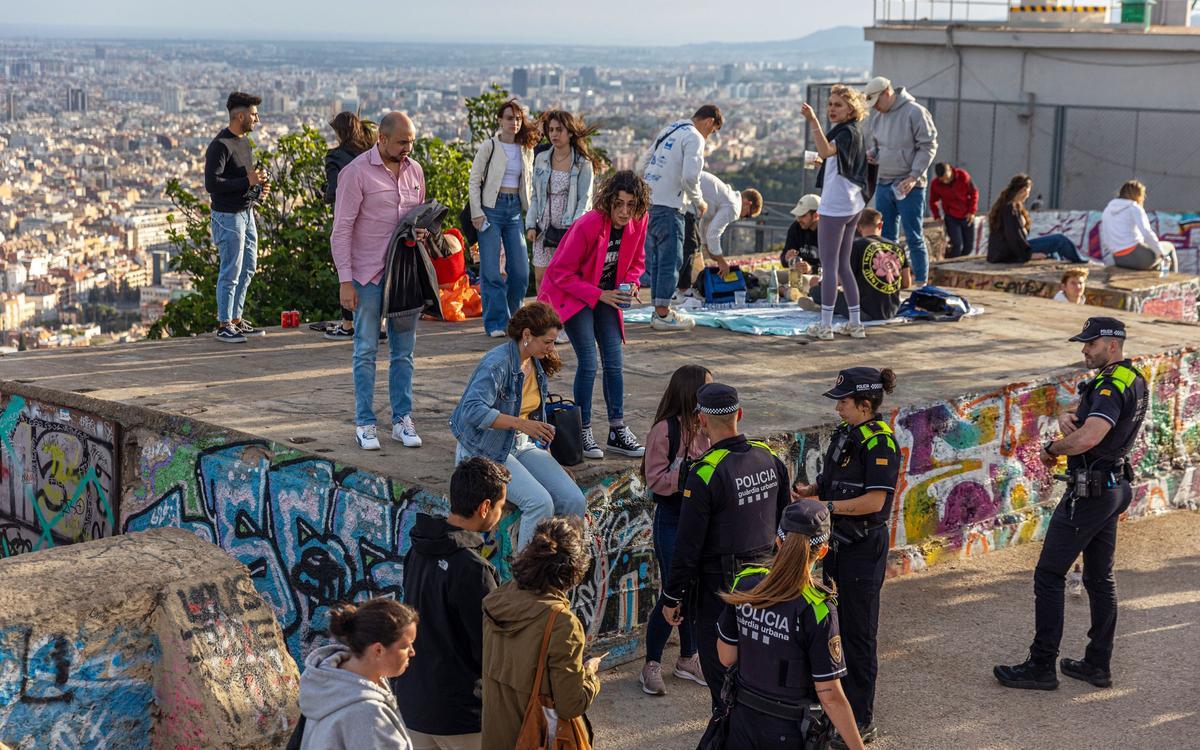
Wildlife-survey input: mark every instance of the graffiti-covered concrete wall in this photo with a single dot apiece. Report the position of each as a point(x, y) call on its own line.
point(151, 641)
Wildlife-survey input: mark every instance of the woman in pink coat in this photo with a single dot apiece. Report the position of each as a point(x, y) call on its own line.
point(603, 250)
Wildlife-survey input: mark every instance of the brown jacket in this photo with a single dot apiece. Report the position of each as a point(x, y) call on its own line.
point(514, 621)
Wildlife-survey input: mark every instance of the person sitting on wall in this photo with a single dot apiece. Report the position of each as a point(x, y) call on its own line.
point(1072, 286)
point(881, 270)
point(1008, 230)
point(1126, 237)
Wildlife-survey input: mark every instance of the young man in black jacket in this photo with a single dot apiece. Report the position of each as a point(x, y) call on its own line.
point(445, 579)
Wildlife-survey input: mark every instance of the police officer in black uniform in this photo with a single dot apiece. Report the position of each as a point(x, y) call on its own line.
point(857, 483)
point(1096, 439)
point(732, 501)
point(781, 629)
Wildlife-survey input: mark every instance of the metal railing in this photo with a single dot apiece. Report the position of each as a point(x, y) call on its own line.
point(942, 12)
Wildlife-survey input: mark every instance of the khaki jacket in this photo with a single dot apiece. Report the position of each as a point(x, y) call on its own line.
point(513, 623)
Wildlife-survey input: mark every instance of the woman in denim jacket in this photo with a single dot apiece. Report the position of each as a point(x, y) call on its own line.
point(562, 185)
point(500, 417)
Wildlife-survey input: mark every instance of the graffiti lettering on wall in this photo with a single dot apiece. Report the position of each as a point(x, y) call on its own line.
point(312, 534)
point(76, 690)
point(56, 477)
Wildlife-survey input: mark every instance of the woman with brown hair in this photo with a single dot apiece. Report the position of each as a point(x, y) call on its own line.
point(780, 628)
point(501, 416)
point(515, 618)
point(1008, 230)
point(1126, 237)
point(499, 189)
point(345, 697)
point(354, 137)
point(592, 277)
point(562, 186)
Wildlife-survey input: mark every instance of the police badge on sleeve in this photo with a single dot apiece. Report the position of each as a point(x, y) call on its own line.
point(835, 648)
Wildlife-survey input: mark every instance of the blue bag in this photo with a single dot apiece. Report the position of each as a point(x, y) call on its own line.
point(718, 290)
point(933, 303)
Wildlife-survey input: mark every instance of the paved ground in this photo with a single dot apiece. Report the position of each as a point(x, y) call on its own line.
point(294, 386)
point(942, 630)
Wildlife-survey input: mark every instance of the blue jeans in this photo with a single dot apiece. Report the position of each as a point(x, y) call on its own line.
point(502, 298)
point(236, 238)
point(666, 527)
point(366, 344)
point(539, 487)
point(664, 253)
point(1056, 246)
point(910, 213)
point(961, 234)
point(587, 328)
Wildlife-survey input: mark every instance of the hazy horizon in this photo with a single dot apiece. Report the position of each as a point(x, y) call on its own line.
point(617, 23)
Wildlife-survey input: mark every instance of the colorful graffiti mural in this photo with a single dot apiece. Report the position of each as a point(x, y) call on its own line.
point(66, 690)
point(56, 476)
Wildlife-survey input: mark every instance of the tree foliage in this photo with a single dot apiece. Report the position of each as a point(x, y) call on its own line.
point(481, 115)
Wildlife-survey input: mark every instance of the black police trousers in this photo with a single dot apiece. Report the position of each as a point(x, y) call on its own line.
point(858, 570)
point(709, 606)
point(1087, 525)
point(753, 730)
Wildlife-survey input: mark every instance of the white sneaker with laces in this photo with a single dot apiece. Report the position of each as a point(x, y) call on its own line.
point(562, 338)
point(366, 436)
point(849, 329)
point(590, 449)
point(818, 331)
point(674, 321)
point(406, 433)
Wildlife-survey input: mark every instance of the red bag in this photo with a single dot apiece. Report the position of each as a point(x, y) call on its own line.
point(451, 267)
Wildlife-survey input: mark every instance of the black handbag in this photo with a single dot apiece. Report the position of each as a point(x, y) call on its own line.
point(470, 233)
point(553, 236)
point(716, 734)
point(567, 420)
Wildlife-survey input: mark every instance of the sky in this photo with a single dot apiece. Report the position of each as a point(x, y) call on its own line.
point(601, 22)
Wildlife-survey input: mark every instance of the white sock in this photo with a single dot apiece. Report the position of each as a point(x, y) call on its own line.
point(855, 315)
point(826, 316)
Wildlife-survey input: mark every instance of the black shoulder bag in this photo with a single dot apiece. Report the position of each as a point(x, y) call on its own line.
point(552, 235)
point(470, 233)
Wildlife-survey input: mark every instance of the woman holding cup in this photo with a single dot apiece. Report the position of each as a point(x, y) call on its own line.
point(592, 277)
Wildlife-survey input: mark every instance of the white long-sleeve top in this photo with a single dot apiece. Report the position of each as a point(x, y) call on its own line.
point(1123, 225)
point(724, 208)
point(672, 170)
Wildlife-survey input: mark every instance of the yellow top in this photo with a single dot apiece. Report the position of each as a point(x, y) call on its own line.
point(531, 395)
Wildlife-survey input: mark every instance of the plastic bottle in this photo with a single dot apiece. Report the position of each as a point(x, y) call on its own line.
point(773, 288)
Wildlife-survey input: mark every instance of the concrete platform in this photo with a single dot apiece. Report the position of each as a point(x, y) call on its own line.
point(251, 447)
point(1175, 297)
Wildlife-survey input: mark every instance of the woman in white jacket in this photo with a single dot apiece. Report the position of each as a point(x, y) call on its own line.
point(1126, 237)
point(345, 697)
point(499, 189)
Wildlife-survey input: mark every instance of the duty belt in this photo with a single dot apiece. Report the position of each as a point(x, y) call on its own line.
point(771, 706)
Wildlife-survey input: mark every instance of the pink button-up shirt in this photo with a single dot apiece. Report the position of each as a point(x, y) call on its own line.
point(370, 203)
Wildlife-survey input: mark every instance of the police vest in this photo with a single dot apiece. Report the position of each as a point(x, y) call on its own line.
point(1117, 444)
point(842, 476)
point(707, 464)
point(816, 598)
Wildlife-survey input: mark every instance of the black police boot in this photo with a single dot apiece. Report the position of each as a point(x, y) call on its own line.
point(1028, 675)
point(1082, 670)
point(868, 732)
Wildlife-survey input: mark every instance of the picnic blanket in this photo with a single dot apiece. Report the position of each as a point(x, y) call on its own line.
point(762, 319)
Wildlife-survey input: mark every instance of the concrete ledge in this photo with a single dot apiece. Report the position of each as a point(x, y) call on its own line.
point(140, 641)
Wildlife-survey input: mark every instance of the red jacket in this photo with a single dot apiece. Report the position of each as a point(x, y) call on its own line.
point(957, 199)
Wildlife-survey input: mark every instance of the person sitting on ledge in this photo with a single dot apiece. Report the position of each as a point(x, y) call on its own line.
point(1008, 230)
point(1126, 238)
point(1072, 286)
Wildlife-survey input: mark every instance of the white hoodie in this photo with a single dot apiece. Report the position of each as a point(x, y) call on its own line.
point(673, 169)
point(345, 712)
point(1123, 225)
point(724, 208)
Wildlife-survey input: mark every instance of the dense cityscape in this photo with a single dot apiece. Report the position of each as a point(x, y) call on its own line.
point(92, 131)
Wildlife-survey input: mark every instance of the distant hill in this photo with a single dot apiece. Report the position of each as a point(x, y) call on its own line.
point(840, 45)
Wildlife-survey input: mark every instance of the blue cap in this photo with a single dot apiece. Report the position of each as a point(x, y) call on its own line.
point(864, 381)
point(717, 398)
point(1094, 328)
point(807, 517)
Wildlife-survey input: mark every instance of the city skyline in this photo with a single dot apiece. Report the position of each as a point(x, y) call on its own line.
point(618, 23)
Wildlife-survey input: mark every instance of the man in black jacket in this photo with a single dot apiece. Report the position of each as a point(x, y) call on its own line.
point(445, 579)
point(235, 184)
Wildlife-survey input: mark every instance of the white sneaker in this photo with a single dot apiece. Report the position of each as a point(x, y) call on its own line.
point(590, 449)
point(678, 297)
point(497, 334)
point(367, 439)
point(562, 338)
point(818, 331)
point(849, 329)
point(406, 433)
point(674, 321)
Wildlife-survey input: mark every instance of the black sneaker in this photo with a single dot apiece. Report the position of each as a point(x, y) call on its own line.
point(229, 334)
point(590, 449)
point(248, 329)
point(1028, 675)
point(622, 440)
point(336, 333)
point(1082, 670)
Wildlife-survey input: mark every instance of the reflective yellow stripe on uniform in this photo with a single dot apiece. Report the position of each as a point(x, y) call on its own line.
point(1121, 377)
point(764, 446)
point(752, 570)
point(871, 432)
point(816, 600)
point(708, 463)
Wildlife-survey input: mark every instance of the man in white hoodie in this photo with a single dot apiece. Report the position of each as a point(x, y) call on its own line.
point(725, 206)
point(1126, 237)
point(672, 169)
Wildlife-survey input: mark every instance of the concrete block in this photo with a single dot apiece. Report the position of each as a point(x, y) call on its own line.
point(153, 640)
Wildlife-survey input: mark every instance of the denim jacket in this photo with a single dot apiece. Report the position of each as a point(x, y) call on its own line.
point(579, 197)
point(494, 389)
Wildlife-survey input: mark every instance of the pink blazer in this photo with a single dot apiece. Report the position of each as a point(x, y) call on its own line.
point(572, 279)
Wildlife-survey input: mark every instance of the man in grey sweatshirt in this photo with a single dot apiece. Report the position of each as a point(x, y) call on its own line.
point(903, 142)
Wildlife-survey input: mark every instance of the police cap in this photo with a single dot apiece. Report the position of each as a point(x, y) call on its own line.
point(863, 381)
point(1094, 328)
point(717, 398)
point(807, 517)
